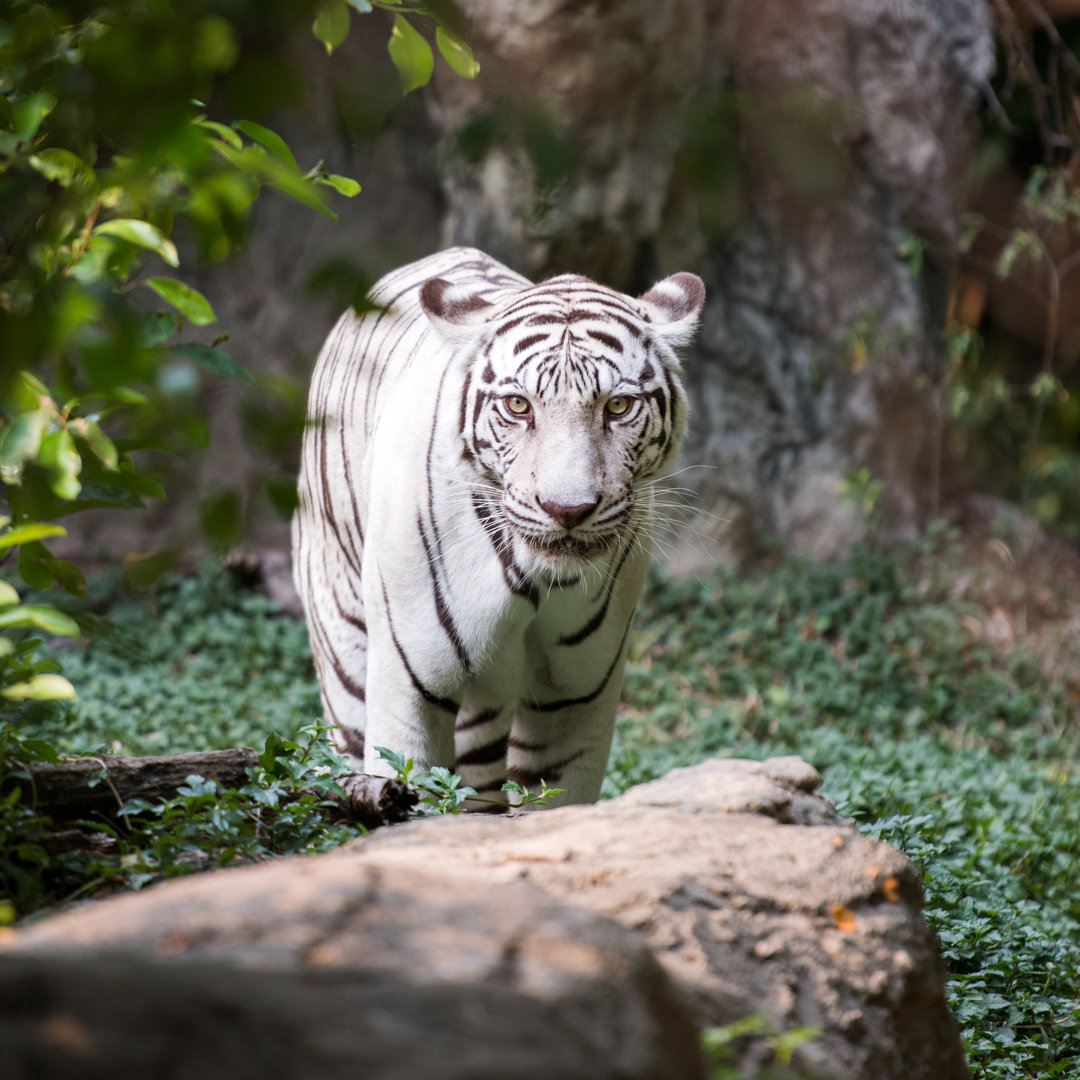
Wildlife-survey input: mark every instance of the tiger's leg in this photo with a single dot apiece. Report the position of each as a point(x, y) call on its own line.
point(480, 741)
point(407, 709)
point(330, 590)
point(565, 745)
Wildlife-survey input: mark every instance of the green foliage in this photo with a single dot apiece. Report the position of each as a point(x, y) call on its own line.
point(409, 49)
point(440, 790)
point(186, 664)
point(525, 797)
point(115, 132)
point(719, 1045)
point(964, 760)
point(284, 808)
point(929, 739)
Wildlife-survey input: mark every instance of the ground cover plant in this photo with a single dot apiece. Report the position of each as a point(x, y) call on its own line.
point(961, 754)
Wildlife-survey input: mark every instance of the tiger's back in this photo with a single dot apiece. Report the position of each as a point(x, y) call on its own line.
point(474, 507)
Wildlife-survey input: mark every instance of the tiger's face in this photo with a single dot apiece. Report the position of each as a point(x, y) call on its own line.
point(571, 404)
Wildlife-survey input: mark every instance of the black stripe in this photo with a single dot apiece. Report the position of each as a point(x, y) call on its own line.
point(528, 341)
point(554, 706)
point(353, 620)
point(529, 778)
point(421, 689)
point(597, 620)
point(446, 620)
point(609, 340)
point(487, 754)
point(480, 718)
point(351, 740)
point(355, 689)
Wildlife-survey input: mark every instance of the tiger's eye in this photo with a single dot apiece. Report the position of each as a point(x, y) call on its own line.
point(617, 405)
point(517, 404)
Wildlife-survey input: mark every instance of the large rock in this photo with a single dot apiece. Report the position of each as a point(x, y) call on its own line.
point(332, 968)
point(493, 941)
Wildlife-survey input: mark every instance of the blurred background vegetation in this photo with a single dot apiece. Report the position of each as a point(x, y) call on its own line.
point(180, 222)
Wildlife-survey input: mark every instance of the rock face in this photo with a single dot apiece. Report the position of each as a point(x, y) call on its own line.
point(481, 946)
point(329, 968)
point(818, 187)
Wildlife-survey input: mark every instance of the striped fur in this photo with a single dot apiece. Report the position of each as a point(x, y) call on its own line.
point(472, 534)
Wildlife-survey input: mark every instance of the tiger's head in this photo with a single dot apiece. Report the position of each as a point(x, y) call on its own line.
point(571, 403)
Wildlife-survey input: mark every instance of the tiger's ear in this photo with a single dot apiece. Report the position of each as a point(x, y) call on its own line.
point(457, 312)
point(673, 306)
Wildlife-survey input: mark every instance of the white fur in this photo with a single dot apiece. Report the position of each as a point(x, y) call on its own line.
point(400, 507)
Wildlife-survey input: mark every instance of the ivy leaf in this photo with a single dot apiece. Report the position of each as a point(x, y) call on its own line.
point(457, 53)
point(331, 24)
point(214, 360)
point(411, 55)
point(270, 139)
point(188, 301)
point(142, 234)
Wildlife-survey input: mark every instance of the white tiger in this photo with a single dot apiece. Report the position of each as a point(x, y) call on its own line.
point(472, 532)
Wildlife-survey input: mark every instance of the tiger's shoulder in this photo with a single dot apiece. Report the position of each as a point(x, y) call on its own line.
point(461, 266)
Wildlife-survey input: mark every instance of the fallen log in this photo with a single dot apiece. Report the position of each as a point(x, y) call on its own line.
point(95, 788)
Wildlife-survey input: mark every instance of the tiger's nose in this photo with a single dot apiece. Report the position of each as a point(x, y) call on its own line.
point(568, 516)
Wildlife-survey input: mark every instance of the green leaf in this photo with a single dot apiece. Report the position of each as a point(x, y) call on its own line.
point(126, 480)
point(255, 161)
point(411, 55)
point(343, 185)
point(95, 496)
point(214, 360)
point(456, 53)
point(25, 534)
point(142, 234)
point(63, 168)
point(20, 441)
point(41, 750)
point(222, 132)
point(28, 392)
point(30, 112)
point(42, 616)
point(40, 688)
point(188, 301)
point(59, 456)
point(100, 443)
point(33, 566)
point(331, 24)
point(270, 139)
point(8, 595)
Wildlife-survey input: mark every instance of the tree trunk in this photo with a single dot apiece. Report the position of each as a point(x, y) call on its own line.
point(95, 788)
